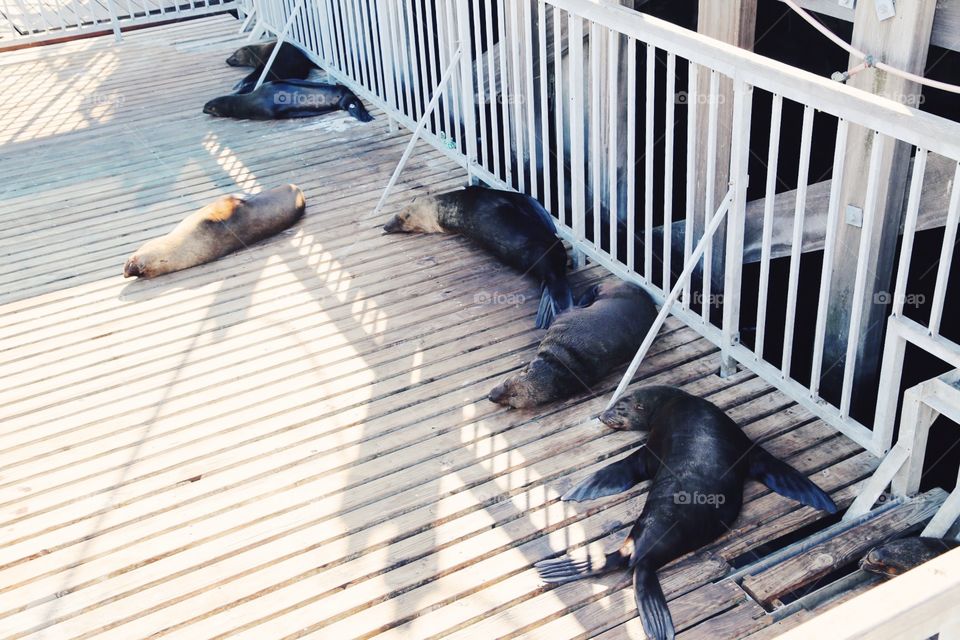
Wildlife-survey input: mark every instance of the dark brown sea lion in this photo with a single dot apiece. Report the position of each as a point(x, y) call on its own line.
point(230, 223)
point(698, 459)
point(288, 99)
point(290, 64)
point(512, 226)
point(583, 345)
point(899, 556)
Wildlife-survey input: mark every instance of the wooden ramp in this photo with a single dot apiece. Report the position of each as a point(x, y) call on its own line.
point(294, 440)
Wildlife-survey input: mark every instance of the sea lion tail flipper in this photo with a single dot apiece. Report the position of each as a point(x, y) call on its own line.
point(612, 479)
point(651, 605)
point(555, 297)
point(787, 481)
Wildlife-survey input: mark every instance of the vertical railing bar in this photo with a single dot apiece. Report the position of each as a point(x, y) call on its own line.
point(668, 160)
point(544, 112)
point(826, 274)
point(423, 73)
point(693, 98)
point(446, 115)
point(382, 44)
point(504, 101)
point(343, 38)
point(558, 86)
point(803, 174)
point(454, 88)
point(432, 49)
point(648, 166)
point(773, 160)
point(631, 154)
point(482, 100)
point(613, 142)
point(577, 204)
point(494, 94)
point(411, 47)
point(515, 44)
point(466, 87)
point(709, 189)
point(909, 230)
point(336, 42)
point(373, 64)
point(946, 256)
point(736, 218)
point(406, 63)
point(529, 105)
point(860, 283)
point(594, 161)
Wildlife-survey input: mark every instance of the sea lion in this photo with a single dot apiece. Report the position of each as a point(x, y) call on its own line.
point(288, 99)
point(698, 459)
point(290, 64)
point(512, 226)
point(583, 345)
point(899, 556)
point(251, 55)
point(222, 227)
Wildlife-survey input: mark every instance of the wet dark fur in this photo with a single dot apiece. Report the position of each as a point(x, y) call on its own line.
point(288, 99)
point(899, 556)
point(514, 228)
point(290, 64)
point(581, 347)
point(693, 449)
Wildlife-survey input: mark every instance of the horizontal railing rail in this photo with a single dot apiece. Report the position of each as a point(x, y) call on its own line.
point(33, 21)
point(544, 101)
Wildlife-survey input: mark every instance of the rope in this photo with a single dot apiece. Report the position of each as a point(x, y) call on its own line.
point(868, 60)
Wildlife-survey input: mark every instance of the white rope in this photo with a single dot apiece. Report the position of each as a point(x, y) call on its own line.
point(868, 60)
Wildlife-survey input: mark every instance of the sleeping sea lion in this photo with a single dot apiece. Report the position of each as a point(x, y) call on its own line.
point(288, 99)
point(583, 345)
point(251, 55)
point(230, 223)
point(899, 556)
point(698, 459)
point(512, 226)
point(290, 64)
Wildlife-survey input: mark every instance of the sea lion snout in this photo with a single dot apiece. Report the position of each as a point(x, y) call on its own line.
point(395, 225)
point(132, 268)
point(616, 418)
point(499, 394)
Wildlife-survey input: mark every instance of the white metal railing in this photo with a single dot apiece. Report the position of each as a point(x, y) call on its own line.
point(533, 106)
point(29, 21)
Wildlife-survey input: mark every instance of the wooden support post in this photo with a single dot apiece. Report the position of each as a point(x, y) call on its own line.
point(733, 22)
point(901, 41)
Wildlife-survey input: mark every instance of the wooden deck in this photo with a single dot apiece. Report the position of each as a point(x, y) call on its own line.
point(295, 440)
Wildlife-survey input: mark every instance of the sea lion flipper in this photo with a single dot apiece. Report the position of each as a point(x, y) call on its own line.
point(787, 481)
point(589, 296)
point(651, 604)
point(612, 479)
point(555, 297)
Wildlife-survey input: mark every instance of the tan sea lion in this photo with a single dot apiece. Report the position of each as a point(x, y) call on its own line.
point(222, 227)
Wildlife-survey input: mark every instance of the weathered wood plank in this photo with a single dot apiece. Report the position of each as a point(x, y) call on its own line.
point(846, 547)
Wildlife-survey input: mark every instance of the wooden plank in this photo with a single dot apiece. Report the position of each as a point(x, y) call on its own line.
point(848, 546)
point(903, 42)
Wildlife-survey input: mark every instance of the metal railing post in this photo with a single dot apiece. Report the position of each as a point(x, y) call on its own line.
point(466, 87)
point(736, 219)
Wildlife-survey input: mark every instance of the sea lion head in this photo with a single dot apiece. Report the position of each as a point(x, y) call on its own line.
point(529, 387)
point(634, 410)
point(899, 556)
point(352, 105)
point(147, 262)
point(220, 107)
point(420, 216)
